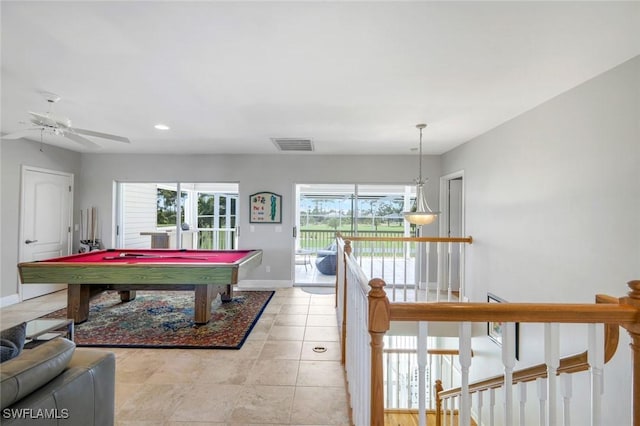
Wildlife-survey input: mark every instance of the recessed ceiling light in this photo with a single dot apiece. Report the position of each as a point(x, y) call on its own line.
point(161, 126)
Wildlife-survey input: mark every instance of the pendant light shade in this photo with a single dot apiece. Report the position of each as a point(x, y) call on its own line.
point(421, 214)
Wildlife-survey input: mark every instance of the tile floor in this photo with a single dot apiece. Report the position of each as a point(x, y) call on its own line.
point(276, 378)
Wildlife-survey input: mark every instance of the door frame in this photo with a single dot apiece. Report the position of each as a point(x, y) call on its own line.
point(444, 222)
point(24, 169)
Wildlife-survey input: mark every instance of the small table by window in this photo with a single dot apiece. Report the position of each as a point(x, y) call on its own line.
point(47, 329)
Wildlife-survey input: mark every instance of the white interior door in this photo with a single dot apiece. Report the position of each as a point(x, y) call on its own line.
point(45, 218)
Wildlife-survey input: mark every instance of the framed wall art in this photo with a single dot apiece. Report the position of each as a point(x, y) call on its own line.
point(494, 328)
point(265, 207)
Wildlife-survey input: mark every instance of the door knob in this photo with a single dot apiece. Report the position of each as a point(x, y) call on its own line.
point(30, 241)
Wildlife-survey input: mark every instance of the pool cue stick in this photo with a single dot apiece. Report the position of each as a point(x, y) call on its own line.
point(151, 256)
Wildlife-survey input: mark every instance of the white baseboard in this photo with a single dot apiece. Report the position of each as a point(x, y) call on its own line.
point(263, 284)
point(9, 300)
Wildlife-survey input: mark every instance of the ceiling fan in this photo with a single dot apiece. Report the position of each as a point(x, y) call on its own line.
point(61, 126)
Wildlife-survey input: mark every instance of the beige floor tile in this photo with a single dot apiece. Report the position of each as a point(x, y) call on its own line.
point(126, 391)
point(322, 310)
point(282, 349)
point(294, 309)
point(264, 404)
point(180, 369)
point(320, 373)
point(321, 334)
point(274, 372)
point(152, 402)
point(267, 318)
point(291, 319)
point(260, 331)
point(319, 406)
point(298, 300)
point(323, 299)
point(138, 367)
point(202, 403)
point(179, 423)
point(229, 372)
point(272, 309)
point(286, 332)
point(322, 320)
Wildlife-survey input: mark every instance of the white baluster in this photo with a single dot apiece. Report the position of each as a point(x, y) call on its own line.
point(542, 397)
point(464, 358)
point(445, 412)
point(492, 406)
point(522, 393)
point(595, 358)
point(552, 359)
point(566, 388)
point(427, 248)
point(463, 290)
point(509, 361)
point(479, 399)
point(449, 269)
point(422, 364)
point(439, 274)
point(453, 411)
point(389, 403)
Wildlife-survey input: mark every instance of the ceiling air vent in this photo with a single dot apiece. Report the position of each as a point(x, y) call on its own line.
point(293, 144)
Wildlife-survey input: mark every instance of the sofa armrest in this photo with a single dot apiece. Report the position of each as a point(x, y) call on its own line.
point(32, 369)
point(82, 395)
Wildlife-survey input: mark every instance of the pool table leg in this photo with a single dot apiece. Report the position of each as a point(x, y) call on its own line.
point(202, 308)
point(127, 295)
point(228, 294)
point(78, 296)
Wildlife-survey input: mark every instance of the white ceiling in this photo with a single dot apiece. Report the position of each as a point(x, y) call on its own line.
point(354, 76)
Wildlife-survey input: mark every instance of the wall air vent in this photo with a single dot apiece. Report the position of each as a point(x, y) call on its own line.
point(293, 144)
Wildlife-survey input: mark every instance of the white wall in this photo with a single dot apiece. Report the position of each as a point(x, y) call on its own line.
point(553, 204)
point(254, 173)
point(14, 155)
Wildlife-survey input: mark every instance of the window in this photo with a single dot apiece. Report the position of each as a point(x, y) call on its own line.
point(147, 212)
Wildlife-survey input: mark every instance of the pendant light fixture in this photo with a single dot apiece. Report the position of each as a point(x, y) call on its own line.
point(421, 214)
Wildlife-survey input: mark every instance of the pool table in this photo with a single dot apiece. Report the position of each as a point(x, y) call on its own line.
point(206, 272)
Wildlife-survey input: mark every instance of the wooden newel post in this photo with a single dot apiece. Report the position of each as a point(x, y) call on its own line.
point(438, 388)
point(379, 314)
point(347, 246)
point(634, 331)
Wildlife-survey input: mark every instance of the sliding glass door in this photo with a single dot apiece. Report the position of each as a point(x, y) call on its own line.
point(352, 209)
point(151, 215)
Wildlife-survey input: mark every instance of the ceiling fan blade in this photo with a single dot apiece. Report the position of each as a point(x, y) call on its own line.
point(42, 119)
point(81, 140)
point(21, 133)
point(101, 135)
point(16, 135)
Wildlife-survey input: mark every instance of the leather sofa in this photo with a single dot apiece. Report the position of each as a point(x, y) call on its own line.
point(56, 384)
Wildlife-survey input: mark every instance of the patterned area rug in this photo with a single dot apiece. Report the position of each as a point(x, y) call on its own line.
point(164, 319)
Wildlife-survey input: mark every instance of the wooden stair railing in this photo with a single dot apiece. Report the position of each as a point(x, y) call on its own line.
point(570, 364)
point(626, 313)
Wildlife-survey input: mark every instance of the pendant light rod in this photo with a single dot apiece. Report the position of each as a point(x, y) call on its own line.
point(421, 214)
point(420, 127)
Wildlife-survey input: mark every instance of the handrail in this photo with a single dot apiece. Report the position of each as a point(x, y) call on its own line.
point(408, 239)
point(580, 313)
point(570, 364)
